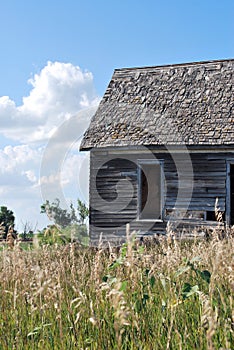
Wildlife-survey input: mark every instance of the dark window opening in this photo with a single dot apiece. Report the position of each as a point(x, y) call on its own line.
point(150, 205)
point(211, 216)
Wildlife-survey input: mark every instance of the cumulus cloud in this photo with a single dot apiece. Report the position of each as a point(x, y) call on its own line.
point(58, 92)
point(14, 159)
point(19, 169)
point(46, 164)
point(24, 187)
point(30, 175)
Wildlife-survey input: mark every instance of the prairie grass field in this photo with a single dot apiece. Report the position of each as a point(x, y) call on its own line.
point(171, 294)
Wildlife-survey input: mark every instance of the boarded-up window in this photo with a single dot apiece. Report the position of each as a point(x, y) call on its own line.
point(150, 188)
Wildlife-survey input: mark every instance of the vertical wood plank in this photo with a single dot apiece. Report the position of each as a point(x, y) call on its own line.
point(228, 194)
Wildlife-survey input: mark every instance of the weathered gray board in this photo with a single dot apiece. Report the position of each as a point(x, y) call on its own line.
point(209, 179)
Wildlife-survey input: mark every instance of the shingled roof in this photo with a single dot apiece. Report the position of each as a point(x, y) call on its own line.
point(191, 104)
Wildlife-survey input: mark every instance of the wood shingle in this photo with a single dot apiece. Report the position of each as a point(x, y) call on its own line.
point(190, 104)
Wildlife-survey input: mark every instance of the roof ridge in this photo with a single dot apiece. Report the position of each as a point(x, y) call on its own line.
point(172, 65)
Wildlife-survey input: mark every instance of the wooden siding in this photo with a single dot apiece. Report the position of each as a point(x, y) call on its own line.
point(106, 170)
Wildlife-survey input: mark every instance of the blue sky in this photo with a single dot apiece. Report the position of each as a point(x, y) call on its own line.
point(97, 37)
point(102, 35)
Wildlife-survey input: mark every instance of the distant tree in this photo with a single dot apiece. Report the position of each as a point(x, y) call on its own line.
point(28, 229)
point(65, 217)
point(83, 211)
point(69, 224)
point(59, 216)
point(7, 218)
point(73, 215)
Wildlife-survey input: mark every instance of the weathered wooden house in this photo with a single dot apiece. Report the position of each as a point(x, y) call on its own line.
point(162, 149)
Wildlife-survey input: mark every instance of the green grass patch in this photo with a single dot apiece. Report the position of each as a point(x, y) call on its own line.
point(165, 296)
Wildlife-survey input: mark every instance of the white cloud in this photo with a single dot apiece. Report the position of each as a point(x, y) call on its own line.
point(19, 168)
point(23, 187)
point(50, 121)
point(25, 201)
point(58, 92)
point(30, 175)
point(14, 159)
point(75, 174)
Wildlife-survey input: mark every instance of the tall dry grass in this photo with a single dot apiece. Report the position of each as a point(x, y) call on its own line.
point(169, 295)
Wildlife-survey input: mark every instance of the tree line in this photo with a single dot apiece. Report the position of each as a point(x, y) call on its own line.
point(74, 216)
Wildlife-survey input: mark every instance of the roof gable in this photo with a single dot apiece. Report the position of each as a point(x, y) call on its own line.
point(189, 104)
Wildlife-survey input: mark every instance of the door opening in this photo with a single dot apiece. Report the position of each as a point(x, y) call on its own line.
point(150, 190)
